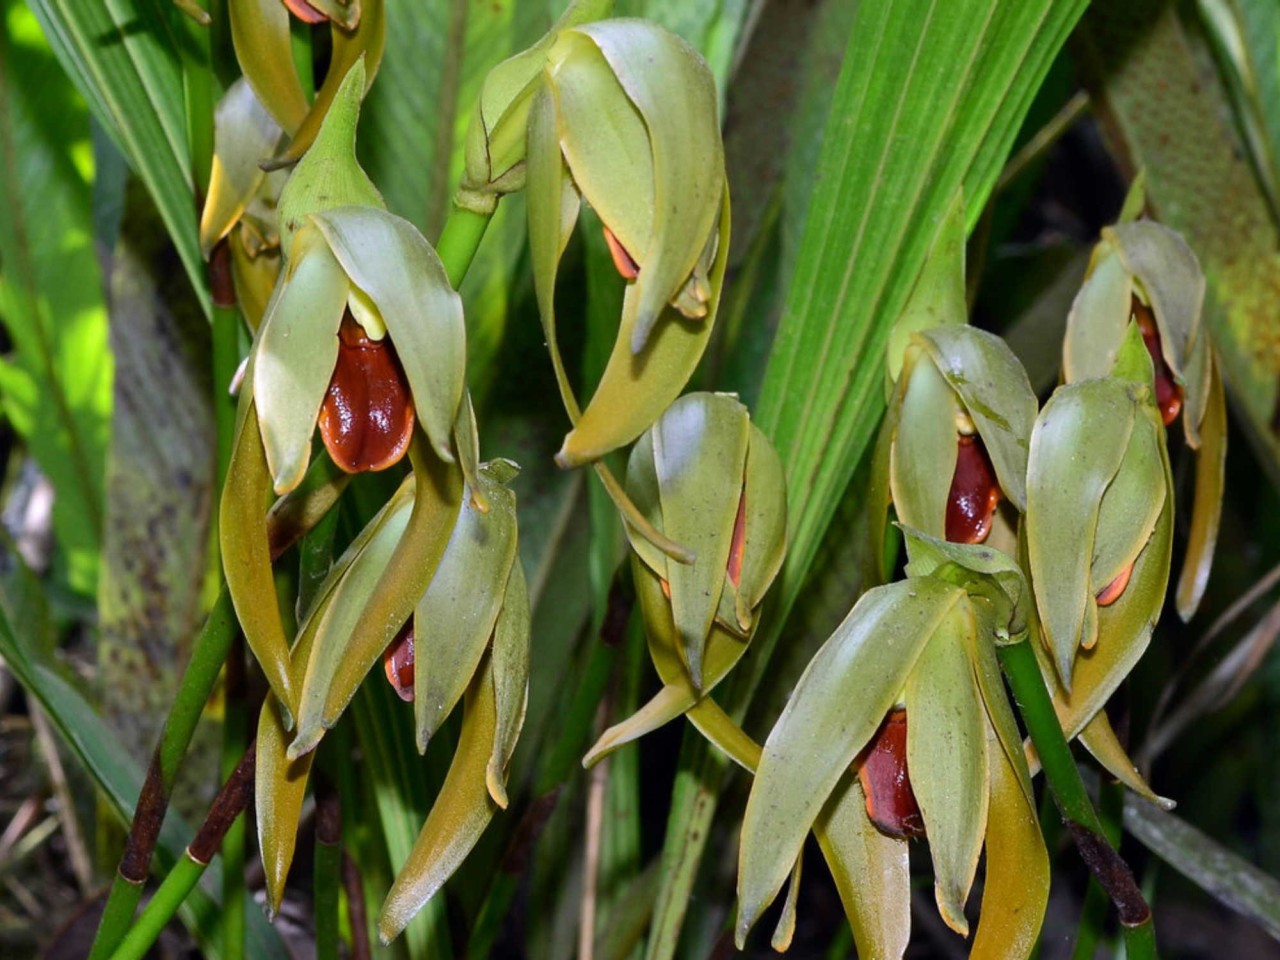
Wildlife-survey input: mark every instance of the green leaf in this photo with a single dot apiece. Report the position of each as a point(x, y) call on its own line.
point(56, 384)
point(837, 706)
point(134, 87)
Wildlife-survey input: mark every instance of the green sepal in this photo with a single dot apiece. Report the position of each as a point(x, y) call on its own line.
point(837, 706)
point(1101, 741)
point(462, 809)
point(948, 758)
point(1078, 444)
point(994, 390)
point(243, 133)
point(455, 618)
point(386, 258)
point(922, 459)
point(329, 175)
point(295, 355)
point(510, 680)
point(938, 298)
point(699, 454)
point(1098, 317)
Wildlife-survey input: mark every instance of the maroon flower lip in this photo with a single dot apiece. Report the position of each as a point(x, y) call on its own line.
point(974, 494)
point(397, 661)
point(882, 770)
point(367, 417)
point(1168, 393)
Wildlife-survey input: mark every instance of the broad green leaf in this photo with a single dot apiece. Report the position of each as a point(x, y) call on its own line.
point(454, 620)
point(947, 757)
point(56, 383)
point(134, 88)
point(387, 259)
point(922, 460)
point(994, 389)
point(836, 707)
point(1078, 444)
point(938, 298)
point(870, 870)
point(295, 356)
point(462, 809)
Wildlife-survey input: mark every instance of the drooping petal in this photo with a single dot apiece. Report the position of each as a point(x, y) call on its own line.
point(871, 873)
point(295, 356)
point(462, 809)
point(245, 545)
point(1206, 512)
point(280, 786)
point(261, 35)
point(836, 707)
point(365, 45)
point(455, 617)
point(1100, 739)
point(1016, 887)
point(390, 261)
point(382, 598)
point(948, 759)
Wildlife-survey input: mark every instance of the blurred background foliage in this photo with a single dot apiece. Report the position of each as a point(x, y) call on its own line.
point(848, 126)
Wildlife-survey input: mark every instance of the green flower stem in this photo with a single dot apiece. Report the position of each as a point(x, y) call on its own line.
point(1093, 914)
point(232, 800)
point(198, 679)
point(1063, 778)
point(328, 867)
point(460, 240)
point(235, 738)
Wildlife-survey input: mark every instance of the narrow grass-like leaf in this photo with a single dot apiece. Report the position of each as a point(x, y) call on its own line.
point(132, 81)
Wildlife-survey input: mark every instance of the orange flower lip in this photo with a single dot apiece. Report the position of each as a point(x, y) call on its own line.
point(305, 11)
point(367, 417)
point(974, 494)
point(1112, 591)
point(882, 770)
